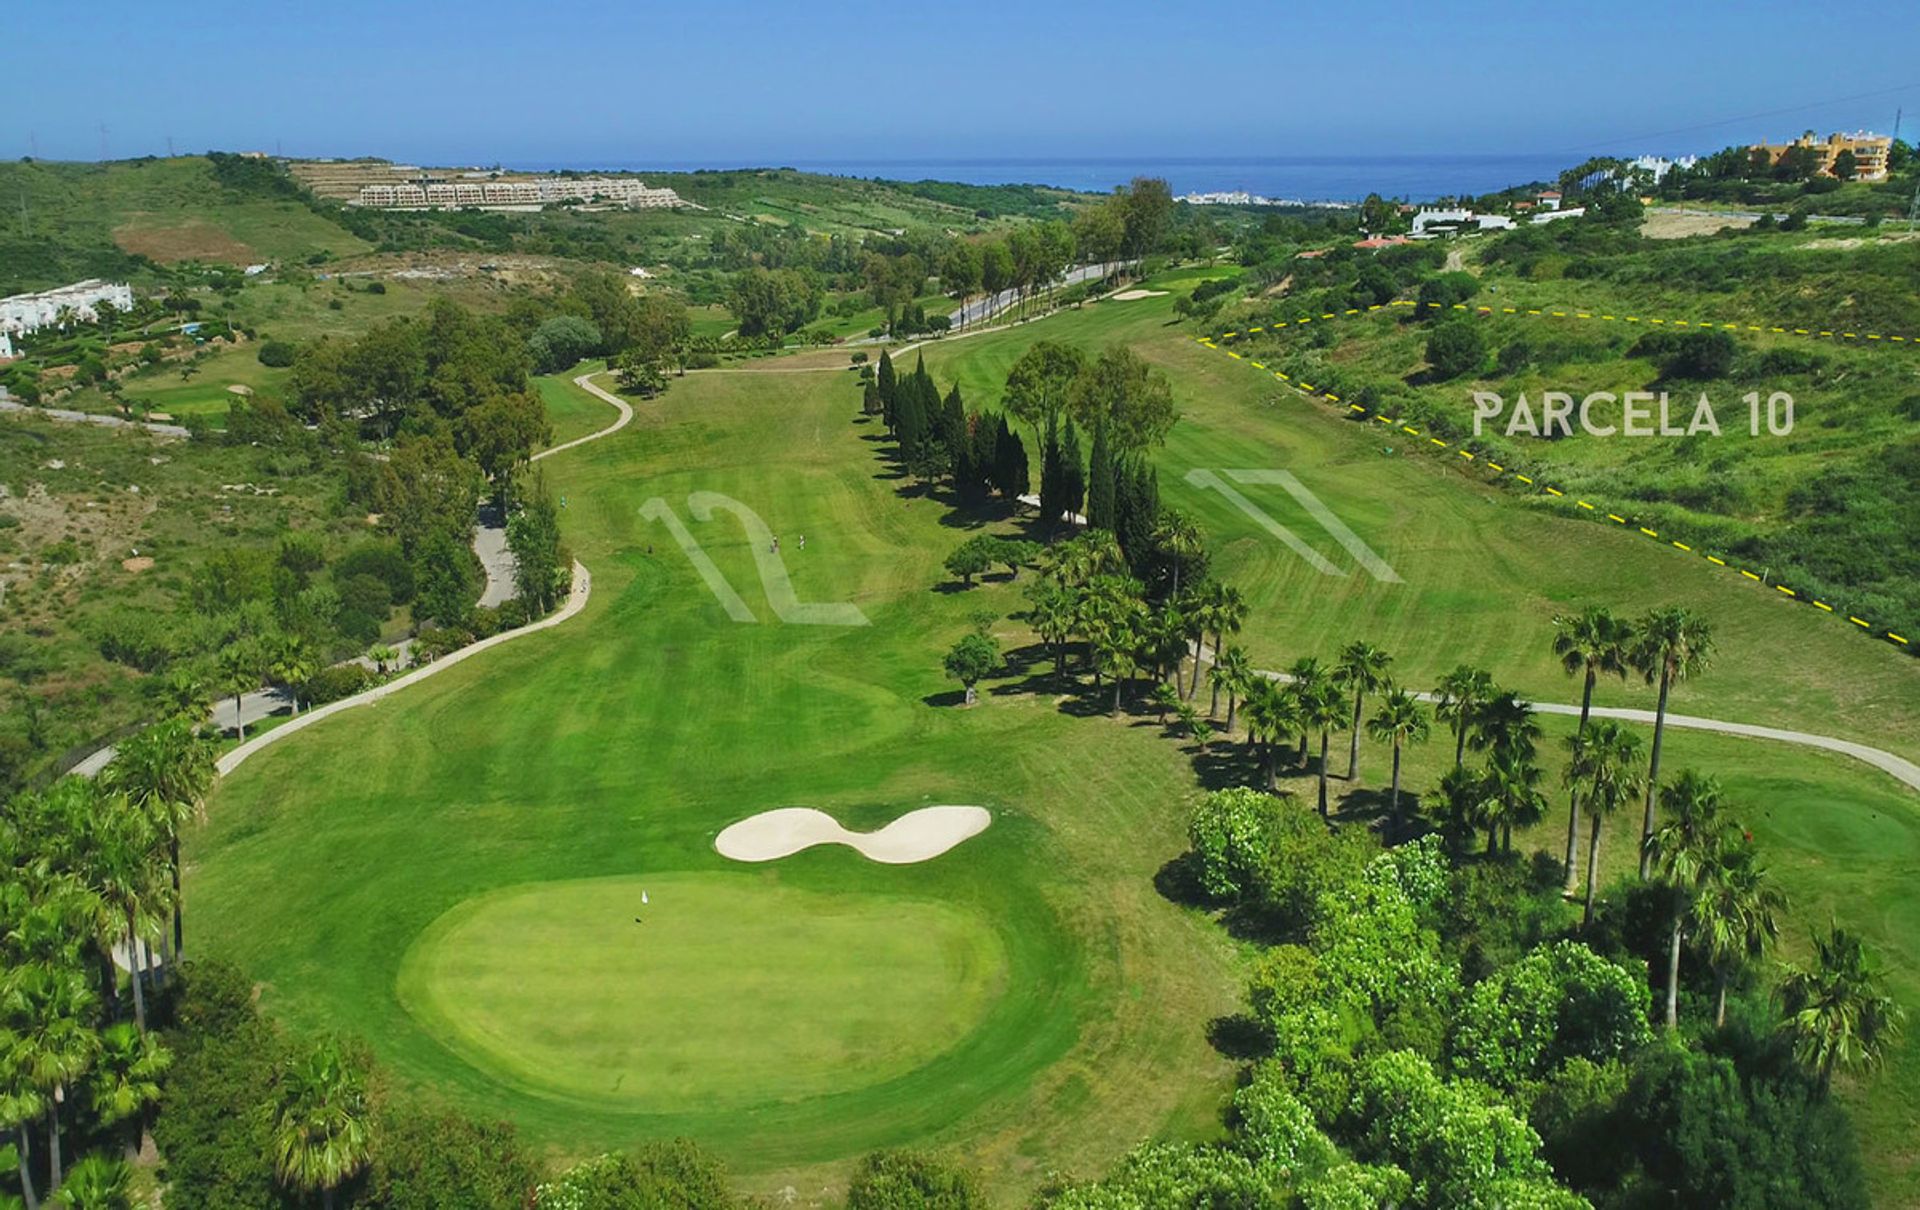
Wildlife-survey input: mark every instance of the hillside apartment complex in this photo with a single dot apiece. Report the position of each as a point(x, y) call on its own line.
point(541, 191)
point(1870, 152)
point(23, 313)
point(380, 184)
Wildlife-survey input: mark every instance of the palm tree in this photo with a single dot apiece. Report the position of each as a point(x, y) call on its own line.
point(1166, 699)
point(1362, 667)
point(1226, 613)
point(21, 1104)
point(1269, 719)
point(1307, 677)
point(1837, 1012)
point(320, 1124)
point(1051, 614)
point(123, 848)
point(1736, 916)
point(1605, 764)
point(1458, 699)
point(1687, 852)
point(382, 655)
point(1504, 726)
point(1460, 808)
point(51, 1010)
point(1399, 722)
point(1164, 642)
point(1232, 671)
point(1113, 651)
point(1178, 538)
point(165, 772)
point(1674, 644)
point(1588, 643)
point(97, 1182)
point(125, 1083)
point(1513, 788)
point(183, 693)
point(1323, 707)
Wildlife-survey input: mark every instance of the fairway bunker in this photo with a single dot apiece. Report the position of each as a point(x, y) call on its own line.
point(916, 836)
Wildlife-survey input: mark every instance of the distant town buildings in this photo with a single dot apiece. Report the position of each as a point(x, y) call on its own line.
point(537, 191)
point(1240, 197)
point(80, 302)
point(1870, 153)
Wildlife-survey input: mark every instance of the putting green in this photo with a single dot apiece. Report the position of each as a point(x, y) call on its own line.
point(731, 991)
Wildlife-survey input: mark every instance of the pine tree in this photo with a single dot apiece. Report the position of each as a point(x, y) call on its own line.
point(1101, 483)
point(1073, 475)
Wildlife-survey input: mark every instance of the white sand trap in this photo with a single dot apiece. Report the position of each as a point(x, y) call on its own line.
point(918, 835)
point(1131, 295)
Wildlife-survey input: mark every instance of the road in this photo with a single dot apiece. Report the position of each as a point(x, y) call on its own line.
point(8, 404)
point(993, 304)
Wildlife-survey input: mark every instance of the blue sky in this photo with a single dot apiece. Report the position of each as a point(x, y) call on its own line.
point(573, 81)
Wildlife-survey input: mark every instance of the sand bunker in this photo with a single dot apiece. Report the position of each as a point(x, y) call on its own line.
point(1131, 295)
point(916, 836)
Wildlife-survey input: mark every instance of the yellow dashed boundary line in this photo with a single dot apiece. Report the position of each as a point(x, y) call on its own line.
point(1499, 471)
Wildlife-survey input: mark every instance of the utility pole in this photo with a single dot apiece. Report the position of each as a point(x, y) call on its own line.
point(169, 146)
point(103, 142)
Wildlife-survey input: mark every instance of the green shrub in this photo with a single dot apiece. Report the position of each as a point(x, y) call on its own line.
point(275, 353)
point(911, 1180)
point(1456, 348)
point(335, 682)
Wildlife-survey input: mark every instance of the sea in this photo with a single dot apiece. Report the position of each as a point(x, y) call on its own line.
point(1303, 178)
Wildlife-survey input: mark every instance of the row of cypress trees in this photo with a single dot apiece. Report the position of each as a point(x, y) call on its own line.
point(980, 453)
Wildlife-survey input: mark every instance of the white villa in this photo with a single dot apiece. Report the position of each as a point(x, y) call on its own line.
point(24, 313)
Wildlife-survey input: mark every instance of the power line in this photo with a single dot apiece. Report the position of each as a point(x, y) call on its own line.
point(1745, 117)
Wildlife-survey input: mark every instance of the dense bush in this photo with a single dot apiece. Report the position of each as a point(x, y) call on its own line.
point(1457, 347)
point(674, 1175)
point(1688, 355)
point(335, 682)
point(911, 1180)
point(275, 353)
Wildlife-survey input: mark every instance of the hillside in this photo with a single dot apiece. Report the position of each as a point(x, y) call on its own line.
point(129, 219)
point(1586, 307)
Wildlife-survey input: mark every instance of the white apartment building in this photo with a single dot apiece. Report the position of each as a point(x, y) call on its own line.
point(23, 313)
point(538, 191)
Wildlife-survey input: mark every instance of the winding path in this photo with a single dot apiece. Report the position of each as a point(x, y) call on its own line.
point(1898, 767)
point(576, 601)
point(585, 383)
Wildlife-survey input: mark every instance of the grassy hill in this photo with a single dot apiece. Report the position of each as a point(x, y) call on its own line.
point(127, 219)
point(1824, 508)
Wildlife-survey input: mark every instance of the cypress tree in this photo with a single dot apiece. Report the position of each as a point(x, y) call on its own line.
point(1011, 475)
point(888, 385)
point(1073, 476)
point(1101, 483)
point(1136, 510)
point(1051, 487)
point(958, 439)
point(909, 417)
